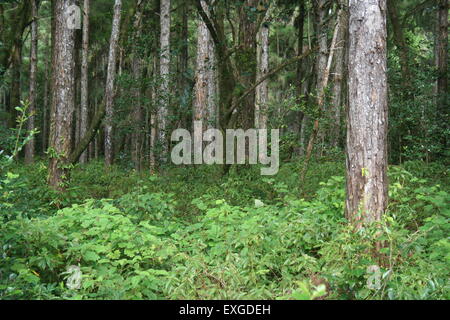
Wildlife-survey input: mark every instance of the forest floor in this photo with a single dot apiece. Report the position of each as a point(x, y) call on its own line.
point(191, 233)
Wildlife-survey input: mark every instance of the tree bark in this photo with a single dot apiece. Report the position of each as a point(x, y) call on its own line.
point(45, 111)
point(85, 77)
point(245, 60)
point(204, 79)
point(367, 185)
point(63, 104)
point(111, 76)
point(15, 89)
point(338, 76)
point(262, 91)
point(138, 116)
point(164, 94)
point(299, 114)
point(201, 79)
point(442, 66)
point(30, 147)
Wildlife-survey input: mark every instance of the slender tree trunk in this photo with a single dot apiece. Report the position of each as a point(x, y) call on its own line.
point(442, 66)
point(138, 116)
point(322, 34)
point(45, 111)
point(367, 183)
point(30, 147)
point(338, 76)
point(111, 76)
point(213, 111)
point(153, 121)
point(85, 77)
point(15, 89)
point(299, 115)
point(262, 91)
point(63, 103)
point(164, 94)
point(183, 64)
point(202, 77)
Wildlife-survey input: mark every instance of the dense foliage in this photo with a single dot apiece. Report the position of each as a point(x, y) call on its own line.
point(146, 237)
point(92, 208)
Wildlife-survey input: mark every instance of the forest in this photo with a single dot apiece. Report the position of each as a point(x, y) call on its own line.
point(224, 150)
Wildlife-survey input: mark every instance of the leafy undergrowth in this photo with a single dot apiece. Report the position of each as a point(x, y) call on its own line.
point(192, 234)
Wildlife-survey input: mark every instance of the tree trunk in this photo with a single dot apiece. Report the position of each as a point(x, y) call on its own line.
point(367, 185)
point(164, 94)
point(30, 147)
point(442, 66)
point(84, 78)
point(45, 111)
point(338, 76)
point(213, 111)
point(111, 76)
point(63, 104)
point(202, 77)
point(299, 115)
point(15, 90)
point(138, 116)
point(262, 91)
point(246, 62)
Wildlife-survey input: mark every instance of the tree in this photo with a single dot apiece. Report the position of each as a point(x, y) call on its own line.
point(262, 91)
point(300, 115)
point(203, 104)
point(136, 137)
point(30, 147)
point(164, 63)
point(367, 185)
point(442, 63)
point(111, 76)
point(84, 77)
point(63, 103)
point(338, 76)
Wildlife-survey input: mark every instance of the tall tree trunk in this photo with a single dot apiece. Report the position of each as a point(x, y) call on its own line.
point(15, 90)
point(45, 109)
point(246, 61)
point(164, 94)
point(338, 76)
point(184, 89)
point(367, 185)
point(202, 77)
point(299, 115)
point(30, 147)
point(213, 111)
point(63, 104)
point(153, 161)
point(84, 77)
point(262, 91)
point(442, 66)
point(138, 116)
point(322, 35)
point(111, 76)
